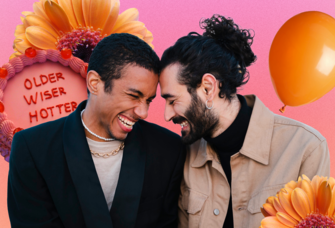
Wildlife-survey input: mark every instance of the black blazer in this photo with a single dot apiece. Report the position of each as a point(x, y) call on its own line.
point(53, 183)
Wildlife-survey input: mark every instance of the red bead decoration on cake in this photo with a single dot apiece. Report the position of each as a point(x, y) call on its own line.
point(16, 130)
point(66, 53)
point(30, 52)
point(3, 73)
point(2, 107)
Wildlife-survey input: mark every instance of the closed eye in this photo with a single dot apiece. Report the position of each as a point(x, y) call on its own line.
point(132, 95)
point(171, 102)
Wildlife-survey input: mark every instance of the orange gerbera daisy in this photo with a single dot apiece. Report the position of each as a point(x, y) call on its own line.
point(302, 204)
point(75, 24)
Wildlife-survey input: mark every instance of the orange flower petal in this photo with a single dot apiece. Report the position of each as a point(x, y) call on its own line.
point(111, 20)
point(285, 201)
point(148, 37)
point(299, 182)
point(300, 202)
point(272, 222)
point(331, 182)
point(25, 22)
point(331, 210)
point(138, 35)
point(21, 43)
point(127, 16)
point(315, 184)
point(35, 20)
point(286, 219)
point(57, 16)
point(78, 11)
point(133, 27)
point(15, 54)
point(278, 206)
point(270, 209)
point(152, 46)
point(39, 10)
point(270, 200)
point(40, 37)
point(99, 12)
point(26, 13)
point(307, 187)
point(264, 212)
point(304, 177)
point(324, 197)
point(20, 29)
point(67, 7)
point(86, 11)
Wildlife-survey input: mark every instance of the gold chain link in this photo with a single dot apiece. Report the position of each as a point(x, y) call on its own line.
point(106, 155)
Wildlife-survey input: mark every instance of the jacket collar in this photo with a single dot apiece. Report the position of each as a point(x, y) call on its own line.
point(82, 170)
point(129, 188)
point(257, 142)
point(83, 173)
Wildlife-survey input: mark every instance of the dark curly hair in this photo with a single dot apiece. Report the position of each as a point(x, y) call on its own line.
point(116, 51)
point(223, 50)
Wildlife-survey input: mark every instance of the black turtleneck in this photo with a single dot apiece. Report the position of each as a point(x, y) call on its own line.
point(230, 142)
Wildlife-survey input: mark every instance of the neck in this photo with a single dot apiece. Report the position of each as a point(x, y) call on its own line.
point(227, 112)
point(92, 122)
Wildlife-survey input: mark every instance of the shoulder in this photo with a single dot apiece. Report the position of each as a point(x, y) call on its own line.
point(43, 132)
point(162, 139)
point(158, 131)
point(298, 127)
point(303, 137)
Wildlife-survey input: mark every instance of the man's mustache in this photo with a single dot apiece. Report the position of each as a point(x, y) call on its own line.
point(178, 120)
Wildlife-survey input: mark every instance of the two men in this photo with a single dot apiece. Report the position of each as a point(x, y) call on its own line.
point(239, 153)
point(102, 166)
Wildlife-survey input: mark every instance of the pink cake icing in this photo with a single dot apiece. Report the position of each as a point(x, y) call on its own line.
point(46, 90)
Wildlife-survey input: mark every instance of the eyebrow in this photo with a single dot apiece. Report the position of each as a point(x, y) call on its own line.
point(139, 93)
point(167, 95)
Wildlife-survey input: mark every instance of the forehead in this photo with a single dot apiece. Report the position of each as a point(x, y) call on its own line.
point(138, 77)
point(168, 80)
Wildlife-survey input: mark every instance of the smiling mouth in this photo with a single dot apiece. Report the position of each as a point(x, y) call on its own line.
point(127, 123)
point(184, 124)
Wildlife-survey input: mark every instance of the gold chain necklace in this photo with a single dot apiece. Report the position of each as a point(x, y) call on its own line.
point(106, 155)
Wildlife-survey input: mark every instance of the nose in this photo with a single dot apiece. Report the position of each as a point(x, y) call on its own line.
point(141, 110)
point(169, 112)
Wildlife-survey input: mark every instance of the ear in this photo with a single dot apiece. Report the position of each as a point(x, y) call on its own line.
point(93, 82)
point(208, 86)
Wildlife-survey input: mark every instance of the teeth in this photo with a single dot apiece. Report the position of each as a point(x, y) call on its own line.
point(126, 122)
point(184, 124)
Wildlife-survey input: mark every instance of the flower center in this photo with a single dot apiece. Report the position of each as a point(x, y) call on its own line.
point(316, 220)
point(81, 41)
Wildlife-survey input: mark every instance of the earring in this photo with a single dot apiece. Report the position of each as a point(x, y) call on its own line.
point(207, 105)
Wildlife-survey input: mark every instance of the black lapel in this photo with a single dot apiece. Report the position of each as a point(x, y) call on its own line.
point(91, 197)
point(129, 189)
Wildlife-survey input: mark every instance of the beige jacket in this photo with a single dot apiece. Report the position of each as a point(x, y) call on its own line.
point(276, 150)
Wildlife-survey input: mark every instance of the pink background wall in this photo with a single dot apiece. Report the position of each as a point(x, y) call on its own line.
point(168, 20)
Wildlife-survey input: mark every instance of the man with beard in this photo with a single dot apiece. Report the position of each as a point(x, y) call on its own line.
point(103, 166)
point(240, 152)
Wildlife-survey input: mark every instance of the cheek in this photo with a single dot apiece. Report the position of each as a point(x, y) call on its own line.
point(180, 109)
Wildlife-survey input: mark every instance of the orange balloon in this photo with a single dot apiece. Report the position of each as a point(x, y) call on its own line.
point(302, 58)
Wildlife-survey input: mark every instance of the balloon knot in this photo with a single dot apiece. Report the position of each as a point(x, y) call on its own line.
point(282, 110)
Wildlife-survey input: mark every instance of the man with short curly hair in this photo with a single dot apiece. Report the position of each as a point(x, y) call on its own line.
point(103, 166)
point(240, 152)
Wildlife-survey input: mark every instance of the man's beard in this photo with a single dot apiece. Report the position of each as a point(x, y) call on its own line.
point(202, 121)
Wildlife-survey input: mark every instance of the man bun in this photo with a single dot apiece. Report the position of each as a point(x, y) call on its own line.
point(228, 35)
